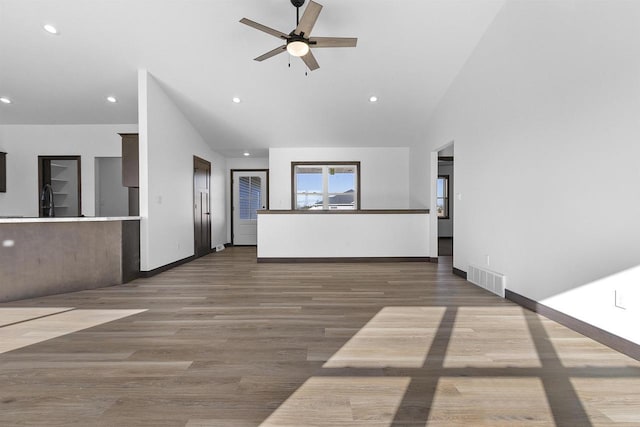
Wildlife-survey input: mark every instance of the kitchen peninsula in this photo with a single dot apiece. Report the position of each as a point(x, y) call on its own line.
point(46, 256)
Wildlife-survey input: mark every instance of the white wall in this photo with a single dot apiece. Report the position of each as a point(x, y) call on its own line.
point(168, 143)
point(384, 174)
point(24, 143)
point(247, 163)
point(548, 99)
point(419, 185)
point(240, 163)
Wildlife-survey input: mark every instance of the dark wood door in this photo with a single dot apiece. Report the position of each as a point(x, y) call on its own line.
point(3, 172)
point(201, 205)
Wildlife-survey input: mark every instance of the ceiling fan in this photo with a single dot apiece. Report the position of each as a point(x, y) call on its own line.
point(299, 41)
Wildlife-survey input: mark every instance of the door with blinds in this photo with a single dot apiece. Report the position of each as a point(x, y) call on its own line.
point(249, 196)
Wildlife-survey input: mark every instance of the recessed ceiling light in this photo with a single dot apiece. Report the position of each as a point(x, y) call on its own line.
point(373, 99)
point(246, 154)
point(5, 100)
point(50, 29)
point(112, 99)
point(236, 100)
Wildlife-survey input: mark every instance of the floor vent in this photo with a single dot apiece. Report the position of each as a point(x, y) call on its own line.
point(487, 279)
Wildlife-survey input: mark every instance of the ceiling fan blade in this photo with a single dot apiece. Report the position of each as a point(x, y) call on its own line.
point(310, 61)
point(264, 28)
point(333, 42)
point(308, 19)
point(271, 53)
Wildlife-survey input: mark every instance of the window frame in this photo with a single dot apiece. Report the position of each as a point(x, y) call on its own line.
point(445, 198)
point(294, 191)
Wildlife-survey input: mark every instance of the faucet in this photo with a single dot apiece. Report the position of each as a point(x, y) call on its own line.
point(46, 201)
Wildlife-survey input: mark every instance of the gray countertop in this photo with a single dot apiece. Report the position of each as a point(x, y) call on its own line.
point(22, 220)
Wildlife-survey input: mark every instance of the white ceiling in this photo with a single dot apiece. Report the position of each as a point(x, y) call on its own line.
point(408, 54)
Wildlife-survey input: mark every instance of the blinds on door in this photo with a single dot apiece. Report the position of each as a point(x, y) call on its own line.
point(250, 196)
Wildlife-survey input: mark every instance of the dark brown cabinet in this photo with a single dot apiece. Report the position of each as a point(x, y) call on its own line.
point(3, 172)
point(130, 160)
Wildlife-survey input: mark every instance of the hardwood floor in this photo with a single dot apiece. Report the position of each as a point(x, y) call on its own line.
point(224, 341)
point(445, 246)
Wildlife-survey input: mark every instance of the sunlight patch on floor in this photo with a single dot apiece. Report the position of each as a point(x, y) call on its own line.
point(576, 350)
point(398, 337)
point(473, 342)
point(622, 404)
point(41, 329)
point(331, 401)
point(11, 315)
point(490, 402)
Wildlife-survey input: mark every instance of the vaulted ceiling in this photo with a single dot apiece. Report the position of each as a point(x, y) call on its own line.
point(408, 54)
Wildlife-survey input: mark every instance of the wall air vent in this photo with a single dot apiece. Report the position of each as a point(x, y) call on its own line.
point(487, 279)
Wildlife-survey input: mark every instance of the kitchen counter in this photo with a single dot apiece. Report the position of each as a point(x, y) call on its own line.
point(26, 219)
point(46, 256)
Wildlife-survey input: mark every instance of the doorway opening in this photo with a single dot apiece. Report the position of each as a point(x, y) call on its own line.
point(444, 204)
point(249, 193)
point(442, 181)
point(201, 206)
point(59, 186)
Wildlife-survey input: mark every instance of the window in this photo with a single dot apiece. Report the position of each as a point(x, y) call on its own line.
point(442, 196)
point(250, 189)
point(328, 186)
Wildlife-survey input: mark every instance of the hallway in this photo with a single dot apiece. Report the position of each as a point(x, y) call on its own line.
point(224, 341)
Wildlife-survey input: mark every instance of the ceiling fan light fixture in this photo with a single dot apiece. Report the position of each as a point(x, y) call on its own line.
point(298, 48)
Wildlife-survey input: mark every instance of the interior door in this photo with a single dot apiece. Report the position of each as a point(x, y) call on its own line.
point(201, 205)
point(249, 195)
